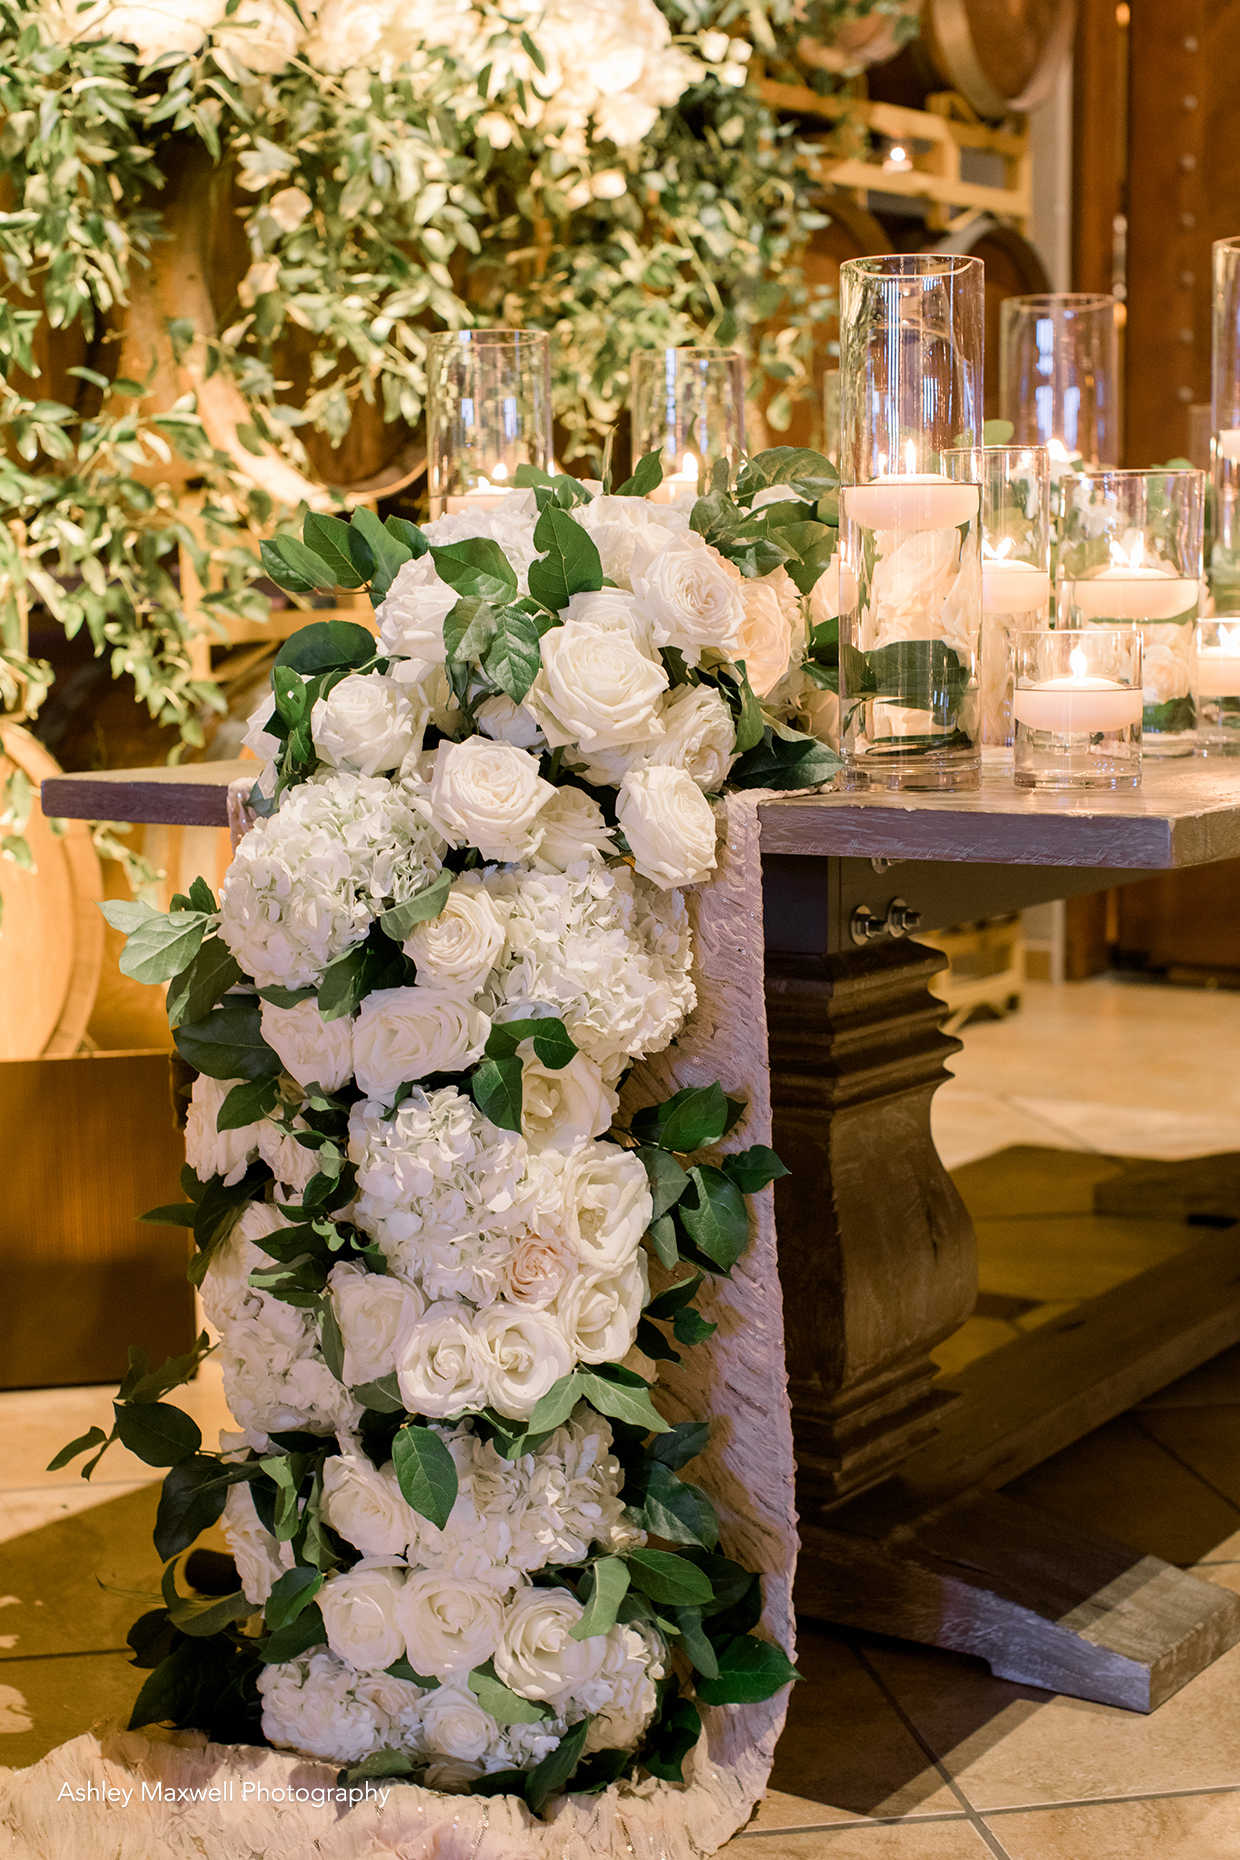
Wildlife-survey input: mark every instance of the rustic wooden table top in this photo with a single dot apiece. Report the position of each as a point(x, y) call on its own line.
point(1186, 812)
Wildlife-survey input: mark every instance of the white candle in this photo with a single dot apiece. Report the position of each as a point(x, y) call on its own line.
point(679, 486)
point(1132, 591)
point(1013, 587)
point(1217, 672)
point(1229, 443)
point(911, 500)
point(1077, 705)
point(486, 493)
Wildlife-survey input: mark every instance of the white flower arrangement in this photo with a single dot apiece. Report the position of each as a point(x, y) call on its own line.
point(438, 951)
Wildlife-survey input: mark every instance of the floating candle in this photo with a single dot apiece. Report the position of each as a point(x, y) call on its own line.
point(1228, 443)
point(1013, 587)
point(911, 500)
point(1079, 704)
point(679, 486)
point(1132, 591)
point(486, 493)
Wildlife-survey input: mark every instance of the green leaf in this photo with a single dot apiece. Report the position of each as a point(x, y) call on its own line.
point(749, 1669)
point(677, 1296)
point(469, 628)
point(690, 1327)
point(786, 758)
point(291, 565)
point(228, 1042)
point(330, 1340)
point(159, 1433)
point(669, 1579)
point(93, 1437)
point(172, 1214)
point(647, 477)
point(202, 1615)
point(327, 646)
point(694, 1119)
point(921, 674)
point(678, 1512)
point(383, 1396)
point(378, 1764)
point(627, 1401)
point(477, 567)
point(555, 1406)
point(551, 1040)
point(571, 563)
point(192, 1500)
point(554, 1772)
point(388, 553)
point(673, 1735)
point(159, 944)
point(408, 533)
point(694, 1640)
point(750, 722)
point(515, 654)
point(290, 1594)
point(686, 1440)
point(504, 1705)
point(247, 1103)
point(347, 981)
point(401, 1669)
point(304, 1631)
point(807, 473)
point(662, 1236)
point(717, 1221)
point(753, 1168)
point(332, 540)
point(609, 1580)
point(426, 1473)
point(400, 920)
point(193, 993)
point(668, 1181)
point(495, 1087)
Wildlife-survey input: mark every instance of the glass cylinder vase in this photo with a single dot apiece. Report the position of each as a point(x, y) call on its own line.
point(1077, 708)
point(1131, 553)
point(688, 405)
point(1016, 556)
point(488, 411)
point(910, 536)
point(1059, 374)
point(1216, 686)
point(1225, 414)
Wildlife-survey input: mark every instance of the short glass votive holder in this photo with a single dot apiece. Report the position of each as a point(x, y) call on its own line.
point(1216, 686)
point(488, 412)
point(688, 405)
point(1077, 708)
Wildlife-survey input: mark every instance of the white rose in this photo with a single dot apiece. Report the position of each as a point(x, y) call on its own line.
point(459, 948)
point(366, 1506)
point(573, 829)
point(411, 614)
point(488, 795)
point(600, 1311)
point(819, 713)
point(559, 1108)
point(1165, 662)
point(450, 1624)
point(454, 1725)
point(604, 1205)
point(536, 1270)
point(312, 1050)
point(766, 639)
point(699, 736)
point(404, 1034)
point(669, 826)
point(375, 1313)
point(506, 722)
point(523, 1352)
point(364, 723)
point(693, 599)
point(260, 1559)
point(613, 610)
point(208, 1150)
point(442, 1370)
point(596, 688)
point(289, 1160)
point(834, 591)
point(537, 1655)
point(360, 1613)
point(628, 533)
point(309, 1706)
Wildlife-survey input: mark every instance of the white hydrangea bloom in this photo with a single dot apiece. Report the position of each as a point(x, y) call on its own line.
point(261, 1560)
point(208, 1150)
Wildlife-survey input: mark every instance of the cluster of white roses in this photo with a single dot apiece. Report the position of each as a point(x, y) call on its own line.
point(575, 70)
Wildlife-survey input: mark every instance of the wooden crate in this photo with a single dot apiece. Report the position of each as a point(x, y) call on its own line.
point(986, 966)
point(93, 1143)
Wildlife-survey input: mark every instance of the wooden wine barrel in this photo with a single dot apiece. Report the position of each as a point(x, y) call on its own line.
point(852, 232)
point(1002, 56)
point(1013, 269)
point(51, 939)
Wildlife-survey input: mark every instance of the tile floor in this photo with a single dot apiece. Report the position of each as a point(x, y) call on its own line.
point(892, 1752)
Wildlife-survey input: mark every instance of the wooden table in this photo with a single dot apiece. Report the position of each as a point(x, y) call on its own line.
point(903, 1528)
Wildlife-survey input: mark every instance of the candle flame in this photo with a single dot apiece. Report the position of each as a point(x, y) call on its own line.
point(1229, 638)
point(1059, 451)
point(499, 471)
point(997, 552)
point(910, 457)
point(1077, 662)
point(689, 465)
point(1128, 552)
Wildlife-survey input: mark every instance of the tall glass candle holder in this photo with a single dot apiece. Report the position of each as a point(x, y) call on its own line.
point(1131, 552)
point(1077, 708)
point(688, 405)
point(1059, 373)
point(488, 412)
point(1216, 686)
point(910, 536)
point(1016, 557)
point(831, 415)
point(1225, 402)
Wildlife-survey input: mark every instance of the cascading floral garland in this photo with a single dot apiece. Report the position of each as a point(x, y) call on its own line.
point(465, 1551)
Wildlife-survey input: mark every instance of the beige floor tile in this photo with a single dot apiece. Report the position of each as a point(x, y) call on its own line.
point(1207, 1439)
point(76, 1584)
point(1062, 1257)
point(846, 1753)
point(935, 1840)
point(1154, 1132)
point(1121, 1483)
point(36, 1423)
point(1035, 1179)
point(1227, 1550)
point(28, 1510)
point(1215, 1383)
point(971, 1124)
point(45, 1702)
point(1196, 1827)
point(1009, 1746)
